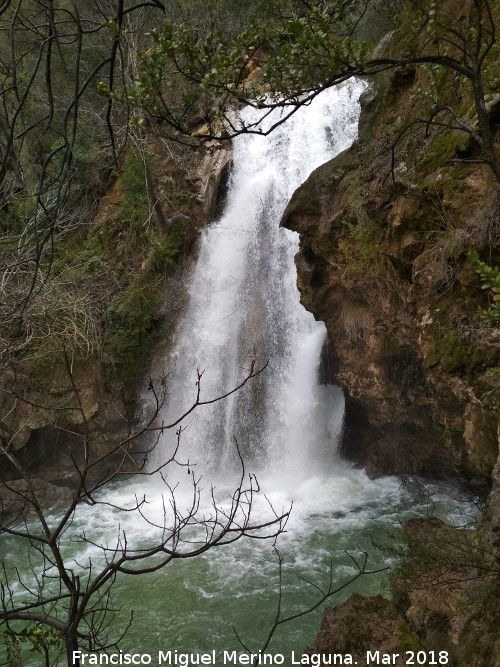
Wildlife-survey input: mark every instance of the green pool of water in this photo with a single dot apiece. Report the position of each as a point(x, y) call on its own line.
point(198, 605)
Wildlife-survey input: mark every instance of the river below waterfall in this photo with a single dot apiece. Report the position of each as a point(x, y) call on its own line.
point(244, 308)
point(196, 606)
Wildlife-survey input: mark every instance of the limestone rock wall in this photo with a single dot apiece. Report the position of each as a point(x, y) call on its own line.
point(383, 263)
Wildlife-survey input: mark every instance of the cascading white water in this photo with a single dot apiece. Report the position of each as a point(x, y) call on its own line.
point(244, 306)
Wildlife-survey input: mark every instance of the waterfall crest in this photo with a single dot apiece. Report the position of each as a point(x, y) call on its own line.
point(244, 306)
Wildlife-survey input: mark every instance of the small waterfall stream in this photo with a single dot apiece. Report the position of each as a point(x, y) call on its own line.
point(244, 307)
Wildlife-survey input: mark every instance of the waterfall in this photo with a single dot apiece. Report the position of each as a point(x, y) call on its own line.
point(244, 306)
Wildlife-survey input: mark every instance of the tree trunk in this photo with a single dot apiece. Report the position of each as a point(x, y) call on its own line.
point(489, 153)
point(71, 642)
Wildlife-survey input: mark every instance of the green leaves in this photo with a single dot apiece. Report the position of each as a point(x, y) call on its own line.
point(186, 75)
point(490, 279)
point(103, 89)
point(37, 638)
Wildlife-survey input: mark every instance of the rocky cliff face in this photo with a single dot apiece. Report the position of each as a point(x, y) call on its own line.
point(383, 263)
point(445, 599)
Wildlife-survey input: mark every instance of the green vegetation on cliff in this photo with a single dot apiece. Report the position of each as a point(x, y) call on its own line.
point(490, 279)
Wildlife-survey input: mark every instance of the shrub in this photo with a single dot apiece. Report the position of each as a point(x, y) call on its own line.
point(132, 327)
point(490, 279)
point(360, 248)
point(166, 247)
point(134, 202)
point(451, 351)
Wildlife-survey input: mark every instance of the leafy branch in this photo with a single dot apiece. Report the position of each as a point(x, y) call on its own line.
point(490, 279)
